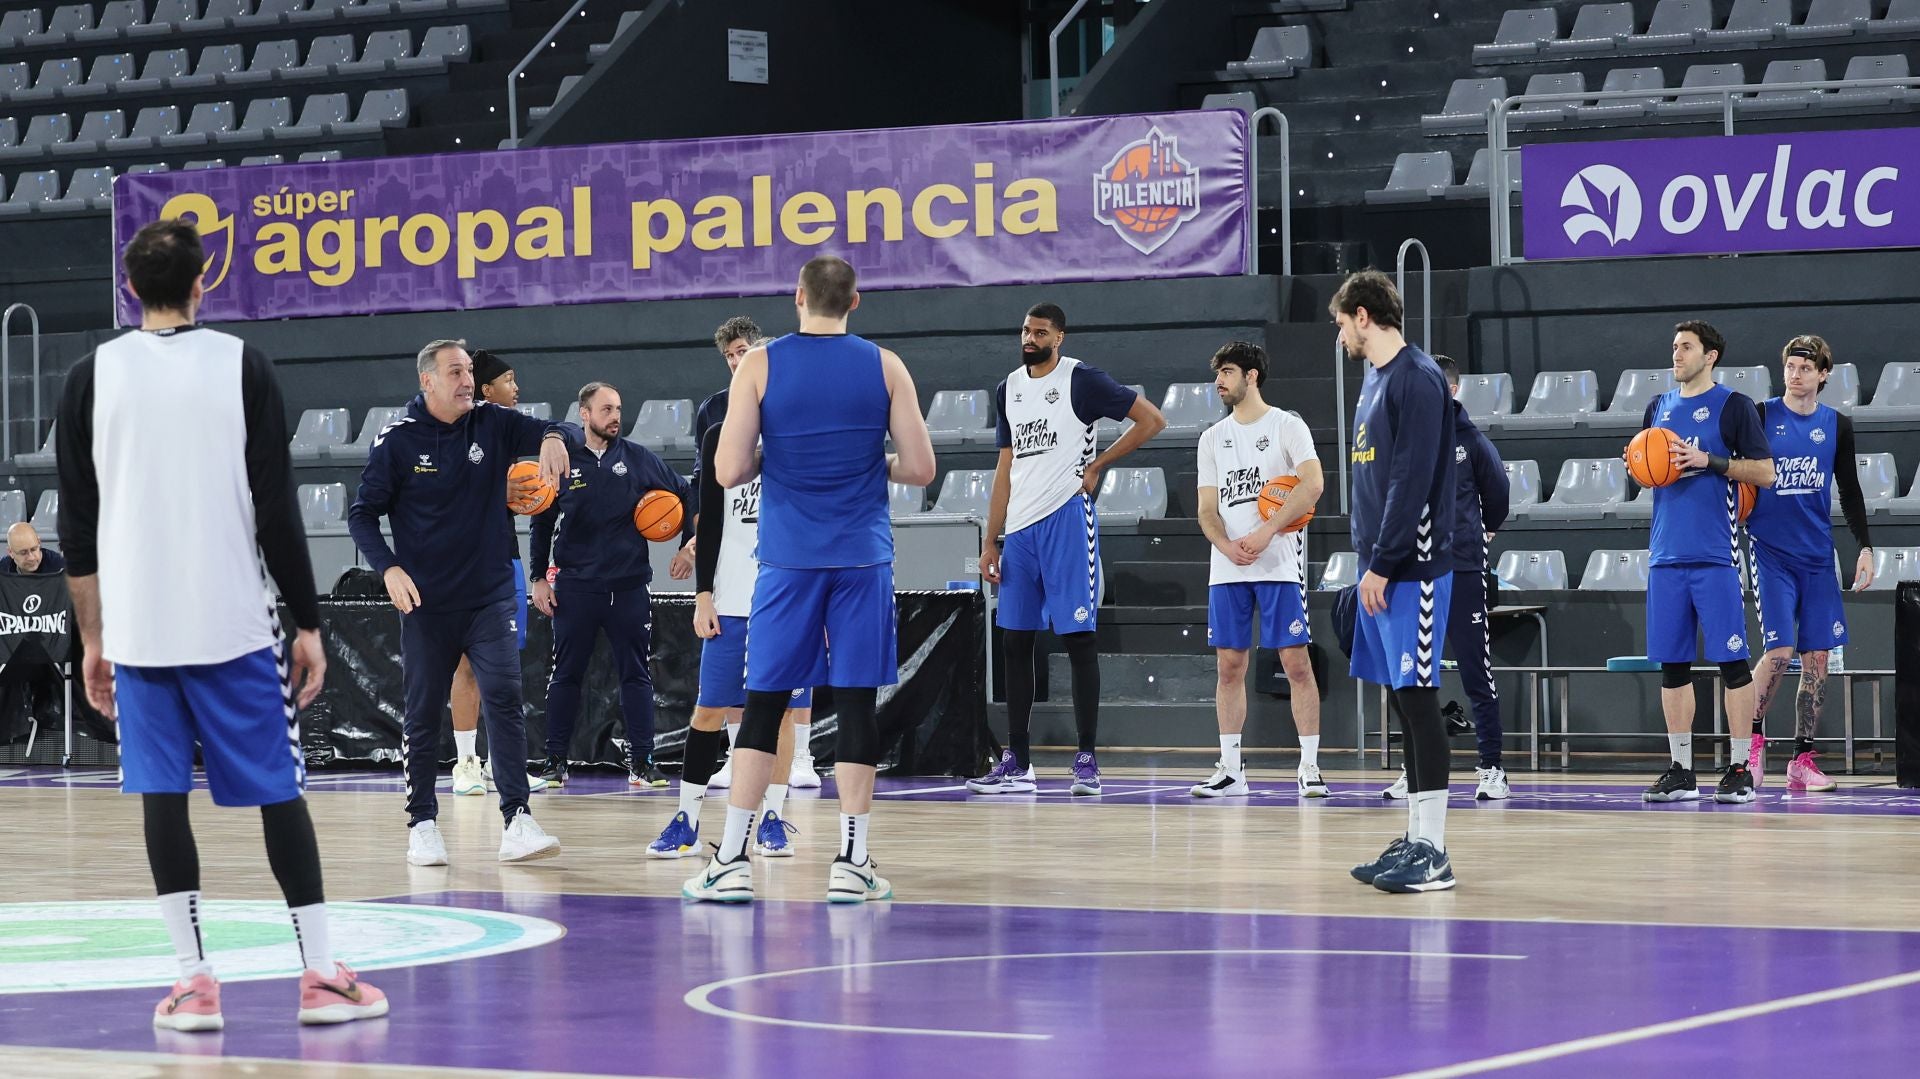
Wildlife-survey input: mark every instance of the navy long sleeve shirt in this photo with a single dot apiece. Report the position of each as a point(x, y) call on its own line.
point(588, 532)
point(1403, 475)
point(1481, 492)
point(444, 488)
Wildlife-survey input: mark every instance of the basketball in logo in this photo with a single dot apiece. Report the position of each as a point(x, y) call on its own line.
point(1146, 191)
point(1142, 163)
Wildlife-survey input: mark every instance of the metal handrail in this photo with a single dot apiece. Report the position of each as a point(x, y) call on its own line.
point(6, 375)
point(1499, 209)
point(1426, 289)
point(513, 91)
point(1286, 187)
point(1340, 417)
point(1053, 55)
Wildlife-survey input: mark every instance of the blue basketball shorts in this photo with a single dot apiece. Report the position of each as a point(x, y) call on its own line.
point(239, 712)
point(1282, 612)
point(1050, 572)
point(520, 602)
point(852, 607)
point(723, 669)
point(1800, 607)
point(1400, 647)
point(1689, 602)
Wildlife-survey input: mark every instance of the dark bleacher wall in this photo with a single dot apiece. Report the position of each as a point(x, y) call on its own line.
point(846, 65)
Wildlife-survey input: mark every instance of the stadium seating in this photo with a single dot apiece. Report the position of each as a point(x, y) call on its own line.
point(46, 515)
point(960, 416)
point(965, 492)
point(323, 507)
point(1879, 480)
point(1129, 495)
point(41, 458)
point(663, 425)
point(1486, 398)
point(1106, 430)
point(1277, 51)
point(904, 500)
point(1466, 106)
point(318, 432)
point(1585, 490)
point(13, 506)
point(1478, 183)
point(1543, 570)
point(1631, 392)
point(1896, 396)
point(1558, 399)
point(1416, 177)
point(1615, 571)
point(1891, 565)
point(377, 420)
point(1190, 408)
point(1342, 569)
point(1755, 382)
point(1523, 486)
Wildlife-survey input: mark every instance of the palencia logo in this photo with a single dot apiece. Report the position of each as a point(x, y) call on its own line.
point(1610, 200)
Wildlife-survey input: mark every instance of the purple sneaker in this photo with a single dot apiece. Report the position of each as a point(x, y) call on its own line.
point(1006, 777)
point(1086, 774)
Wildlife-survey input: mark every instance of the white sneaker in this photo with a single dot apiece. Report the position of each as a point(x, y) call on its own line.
point(802, 776)
point(722, 882)
point(1223, 784)
point(525, 841)
point(535, 781)
point(849, 883)
point(1311, 785)
point(425, 846)
point(724, 777)
point(468, 778)
point(1493, 784)
point(1398, 790)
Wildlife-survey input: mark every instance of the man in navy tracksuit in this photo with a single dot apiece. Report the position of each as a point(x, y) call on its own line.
point(603, 572)
point(439, 474)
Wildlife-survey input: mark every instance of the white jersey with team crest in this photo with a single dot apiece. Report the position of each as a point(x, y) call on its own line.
point(1048, 423)
point(1238, 459)
point(738, 568)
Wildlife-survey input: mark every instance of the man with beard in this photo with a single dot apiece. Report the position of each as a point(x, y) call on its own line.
point(602, 576)
point(1043, 499)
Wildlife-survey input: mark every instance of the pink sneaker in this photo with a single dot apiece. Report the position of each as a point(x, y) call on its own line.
point(339, 999)
point(1757, 757)
point(1804, 775)
point(192, 1005)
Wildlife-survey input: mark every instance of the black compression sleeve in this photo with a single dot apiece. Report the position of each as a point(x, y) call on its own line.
point(79, 483)
point(276, 512)
point(1846, 473)
point(713, 515)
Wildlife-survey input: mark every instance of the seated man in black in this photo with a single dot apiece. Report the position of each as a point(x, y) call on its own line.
point(28, 687)
point(26, 556)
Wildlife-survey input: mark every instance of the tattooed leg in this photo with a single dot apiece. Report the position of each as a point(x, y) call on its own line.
point(1766, 677)
point(1812, 696)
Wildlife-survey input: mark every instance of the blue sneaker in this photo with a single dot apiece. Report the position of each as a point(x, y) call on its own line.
point(679, 839)
point(770, 838)
point(1422, 869)
point(1086, 774)
point(1389, 858)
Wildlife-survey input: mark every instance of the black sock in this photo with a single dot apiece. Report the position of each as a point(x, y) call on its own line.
point(1426, 736)
point(702, 756)
point(292, 851)
point(1019, 675)
point(1083, 655)
point(1802, 745)
point(171, 852)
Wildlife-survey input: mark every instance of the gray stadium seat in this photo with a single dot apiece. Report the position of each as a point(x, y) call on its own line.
point(1907, 504)
point(18, 25)
point(662, 425)
point(1752, 22)
point(378, 109)
point(216, 63)
point(1533, 570)
point(1902, 17)
point(263, 159)
point(1106, 430)
point(1615, 571)
point(1243, 100)
point(321, 11)
point(1619, 110)
point(1416, 177)
point(958, 416)
point(540, 112)
point(1486, 397)
point(1788, 100)
point(30, 191)
point(265, 115)
point(1585, 490)
point(1637, 508)
point(1636, 386)
point(90, 189)
point(322, 57)
point(9, 131)
point(13, 507)
point(1874, 67)
point(539, 410)
point(1466, 107)
point(1558, 398)
point(1703, 75)
point(204, 163)
point(1842, 390)
point(108, 75)
point(43, 132)
point(1342, 569)
point(904, 500)
point(1879, 480)
point(1132, 494)
point(41, 458)
point(1597, 28)
point(142, 169)
point(270, 58)
point(14, 77)
point(268, 13)
point(377, 420)
point(322, 114)
point(441, 45)
point(1832, 20)
point(320, 155)
point(168, 17)
point(209, 120)
point(1277, 51)
point(1549, 112)
point(1755, 382)
point(1523, 486)
point(1676, 24)
point(600, 49)
point(65, 19)
point(149, 127)
point(323, 506)
point(1891, 565)
point(965, 492)
point(161, 66)
point(115, 18)
point(46, 515)
point(1190, 408)
point(383, 48)
point(318, 431)
point(56, 77)
point(1522, 34)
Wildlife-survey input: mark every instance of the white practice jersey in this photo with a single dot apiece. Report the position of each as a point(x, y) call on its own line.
point(1237, 460)
point(738, 568)
point(1048, 423)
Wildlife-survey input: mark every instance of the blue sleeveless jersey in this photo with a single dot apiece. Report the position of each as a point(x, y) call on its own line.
point(1791, 521)
point(1694, 517)
point(823, 432)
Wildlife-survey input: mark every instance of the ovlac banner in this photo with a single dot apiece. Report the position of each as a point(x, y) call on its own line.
point(1106, 198)
point(1807, 191)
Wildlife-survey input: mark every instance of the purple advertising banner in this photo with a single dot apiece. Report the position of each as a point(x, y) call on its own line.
point(1099, 199)
point(1806, 191)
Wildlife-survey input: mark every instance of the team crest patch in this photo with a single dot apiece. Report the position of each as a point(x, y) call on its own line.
point(1839, 629)
point(1819, 435)
point(1053, 397)
point(619, 468)
point(1262, 444)
point(1406, 663)
point(1700, 414)
point(1460, 454)
point(1079, 614)
point(1734, 642)
point(476, 454)
point(1295, 628)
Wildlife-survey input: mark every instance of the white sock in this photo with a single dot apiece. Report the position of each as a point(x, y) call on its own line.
point(733, 843)
point(181, 912)
point(803, 741)
point(853, 837)
point(1230, 753)
point(733, 731)
point(310, 932)
point(1413, 817)
point(462, 749)
point(1682, 747)
point(1310, 751)
point(776, 800)
point(691, 796)
point(1431, 809)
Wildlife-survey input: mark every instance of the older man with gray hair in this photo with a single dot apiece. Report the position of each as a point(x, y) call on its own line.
point(439, 474)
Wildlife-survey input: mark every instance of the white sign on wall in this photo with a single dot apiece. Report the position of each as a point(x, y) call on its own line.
point(747, 56)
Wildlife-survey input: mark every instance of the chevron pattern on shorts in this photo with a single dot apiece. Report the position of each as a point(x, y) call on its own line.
point(1424, 668)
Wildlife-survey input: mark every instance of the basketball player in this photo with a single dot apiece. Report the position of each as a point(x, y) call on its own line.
point(1812, 449)
point(493, 377)
point(438, 474)
point(1043, 499)
point(1693, 589)
point(1257, 563)
point(1403, 516)
point(603, 568)
point(820, 404)
point(733, 338)
point(724, 574)
point(1480, 508)
point(182, 645)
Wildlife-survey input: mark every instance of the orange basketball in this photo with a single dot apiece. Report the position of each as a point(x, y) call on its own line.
point(657, 515)
point(1650, 457)
point(1748, 492)
point(1139, 163)
point(1274, 495)
point(539, 500)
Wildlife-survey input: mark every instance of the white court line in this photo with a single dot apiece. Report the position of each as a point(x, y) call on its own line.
point(698, 998)
point(1673, 1026)
point(919, 790)
point(1109, 795)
